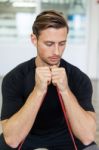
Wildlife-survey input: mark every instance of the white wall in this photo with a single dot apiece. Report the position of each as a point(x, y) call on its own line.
point(93, 42)
point(76, 54)
point(13, 52)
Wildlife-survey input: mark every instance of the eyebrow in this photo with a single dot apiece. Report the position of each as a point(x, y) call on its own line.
point(54, 42)
point(62, 41)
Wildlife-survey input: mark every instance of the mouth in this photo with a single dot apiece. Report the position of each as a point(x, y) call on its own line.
point(54, 58)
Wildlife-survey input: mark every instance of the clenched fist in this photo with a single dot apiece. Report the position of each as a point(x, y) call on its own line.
point(45, 75)
point(43, 78)
point(59, 78)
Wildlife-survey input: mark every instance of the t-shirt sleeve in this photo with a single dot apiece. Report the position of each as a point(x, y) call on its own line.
point(83, 91)
point(11, 97)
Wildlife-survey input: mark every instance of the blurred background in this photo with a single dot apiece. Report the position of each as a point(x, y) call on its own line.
point(16, 19)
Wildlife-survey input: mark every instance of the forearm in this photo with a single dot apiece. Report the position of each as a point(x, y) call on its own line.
point(16, 128)
point(83, 124)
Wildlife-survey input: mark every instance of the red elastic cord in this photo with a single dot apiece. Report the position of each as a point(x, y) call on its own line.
point(20, 146)
point(66, 118)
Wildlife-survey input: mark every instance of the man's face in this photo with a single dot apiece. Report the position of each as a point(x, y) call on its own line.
point(50, 46)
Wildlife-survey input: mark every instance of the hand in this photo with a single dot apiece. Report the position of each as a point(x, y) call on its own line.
point(42, 78)
point(59, 78)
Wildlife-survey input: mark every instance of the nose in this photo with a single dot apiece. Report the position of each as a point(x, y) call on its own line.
point(56, 51)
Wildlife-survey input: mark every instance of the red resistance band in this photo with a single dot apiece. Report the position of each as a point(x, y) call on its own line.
point(66, 119)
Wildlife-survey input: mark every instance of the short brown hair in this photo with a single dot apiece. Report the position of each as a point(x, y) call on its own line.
point(48, 19)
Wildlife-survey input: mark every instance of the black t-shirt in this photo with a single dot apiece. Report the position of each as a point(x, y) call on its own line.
point(50, 128)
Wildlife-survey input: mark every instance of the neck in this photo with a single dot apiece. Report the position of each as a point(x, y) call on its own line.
point(39, 63)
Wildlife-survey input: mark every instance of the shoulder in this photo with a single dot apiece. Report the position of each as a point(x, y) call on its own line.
point(80, 85)
point(75, 75)
point(19, 72)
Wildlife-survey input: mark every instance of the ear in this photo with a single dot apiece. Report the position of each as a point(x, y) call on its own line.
point(34, 39)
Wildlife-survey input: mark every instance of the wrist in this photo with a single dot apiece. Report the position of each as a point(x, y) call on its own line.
point(39, 92)
point(37, 95)
point(65, 91)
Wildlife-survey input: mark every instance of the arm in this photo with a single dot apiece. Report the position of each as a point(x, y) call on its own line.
point(83, 123)
point(16, 128)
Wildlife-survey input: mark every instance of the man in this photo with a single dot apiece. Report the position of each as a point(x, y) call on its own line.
point(31, 110)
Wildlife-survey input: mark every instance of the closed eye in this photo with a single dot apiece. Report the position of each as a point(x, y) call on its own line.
point(62, 43)
point(49, 43)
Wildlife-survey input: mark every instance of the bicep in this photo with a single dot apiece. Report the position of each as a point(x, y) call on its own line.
point(11, 98)
point(84, 93)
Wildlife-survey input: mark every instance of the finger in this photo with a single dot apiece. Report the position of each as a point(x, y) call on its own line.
point(43, 68)
point(55, 71)
point(58, 69)
point(44, 71)
point(55, 74)
point(55, 78)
